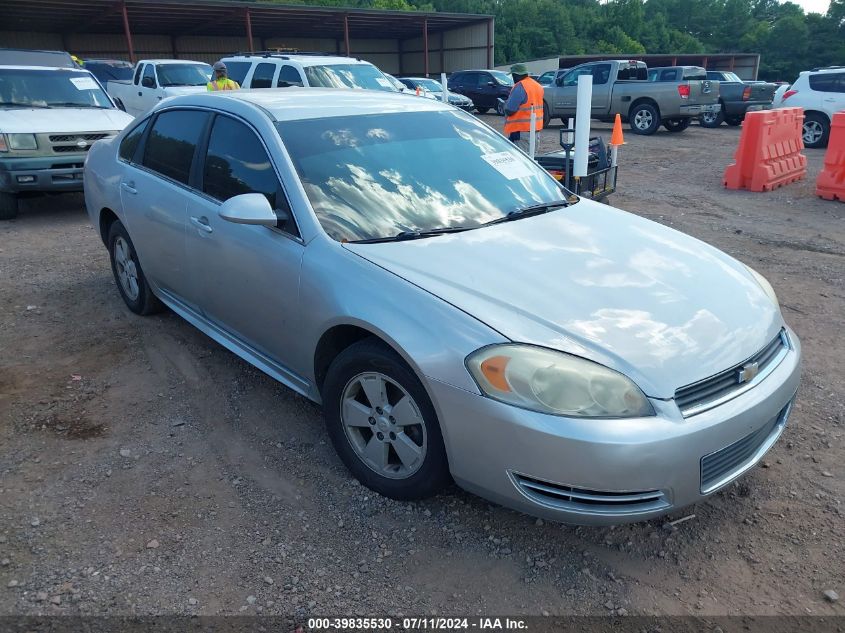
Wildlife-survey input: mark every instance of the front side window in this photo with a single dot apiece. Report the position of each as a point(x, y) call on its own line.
point(289, 76)
point(375, 176)
point(48, 88)
point(129, 144)
point(263, 76)
point(183, 74)
point(571, 78)
point(364, 76)
point(172, 143)
point(149, 79)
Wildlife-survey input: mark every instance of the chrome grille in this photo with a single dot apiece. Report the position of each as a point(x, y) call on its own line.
point(73, 138)
point(726, 464)
point(69, 143)
point(64, 149)
point(593, 501)
point(707, 393)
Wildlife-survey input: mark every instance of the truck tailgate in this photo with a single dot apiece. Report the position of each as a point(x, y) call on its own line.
point(762, 92)
point(703, 91)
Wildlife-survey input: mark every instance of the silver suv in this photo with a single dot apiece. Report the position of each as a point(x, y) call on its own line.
point(283, 70)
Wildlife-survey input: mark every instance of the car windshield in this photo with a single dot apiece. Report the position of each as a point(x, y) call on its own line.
point(183, 74)
point(430, 85)
point(50, 88)
point(110, 71)
point(348, 76)
point(502, 77)
point(375, 176)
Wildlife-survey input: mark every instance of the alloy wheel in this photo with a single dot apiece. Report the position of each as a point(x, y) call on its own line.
point(643, 119)
point(813, 131)
point(384, 425)
point(127, 271)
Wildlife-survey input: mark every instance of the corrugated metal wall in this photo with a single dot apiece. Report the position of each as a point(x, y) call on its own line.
point(462, 48)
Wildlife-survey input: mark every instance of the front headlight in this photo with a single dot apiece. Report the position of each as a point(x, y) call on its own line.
point(555, 383)
point(765, 285)
point(22, 141)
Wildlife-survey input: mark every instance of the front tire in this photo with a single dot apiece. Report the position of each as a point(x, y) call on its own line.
point(644, 119)
point(711, 119)
point(128, 274)
point(676, 125)
point(8, 206)
point(547, 117)
point(816, 130)
point(481, 110)
point(382, 423)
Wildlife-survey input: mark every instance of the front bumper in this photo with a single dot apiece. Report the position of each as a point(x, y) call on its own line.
point(59, 174)
point(697, 109)
point(600, 472)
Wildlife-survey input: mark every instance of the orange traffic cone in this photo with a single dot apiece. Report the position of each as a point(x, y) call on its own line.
point(616, 137)
point(418, 91)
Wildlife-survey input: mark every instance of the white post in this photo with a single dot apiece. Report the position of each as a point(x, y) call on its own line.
point(582, 125)
point(614, 155)
point(444, 94)
point(532, 134)
point(570, 135)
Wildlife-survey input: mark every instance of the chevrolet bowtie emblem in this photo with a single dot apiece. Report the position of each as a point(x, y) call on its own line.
point(748, 372)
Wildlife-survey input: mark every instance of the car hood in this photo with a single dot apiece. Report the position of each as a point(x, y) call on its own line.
point(175, 91)
point(62, 120)
point(656, 304)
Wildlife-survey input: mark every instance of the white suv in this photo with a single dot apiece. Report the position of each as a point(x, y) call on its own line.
point(283, 70)
point(820, 92)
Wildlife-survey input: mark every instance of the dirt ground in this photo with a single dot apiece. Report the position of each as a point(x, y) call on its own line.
point(146, 470)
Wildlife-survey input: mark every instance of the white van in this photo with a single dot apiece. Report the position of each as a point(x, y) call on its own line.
point(49, 118)
point(284, 70)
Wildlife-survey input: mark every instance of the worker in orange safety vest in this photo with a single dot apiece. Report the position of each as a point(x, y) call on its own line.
point(525, 94)
point(221, 81)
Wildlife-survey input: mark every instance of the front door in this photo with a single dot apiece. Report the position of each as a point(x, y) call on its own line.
point(154, 193)
point(246, 277)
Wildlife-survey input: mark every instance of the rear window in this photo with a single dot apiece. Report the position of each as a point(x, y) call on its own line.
point(695, 74)
point(348, 76)
point(236, 71)
point(828, 82)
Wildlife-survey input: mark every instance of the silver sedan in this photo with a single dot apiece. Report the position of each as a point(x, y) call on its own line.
point(458, 314)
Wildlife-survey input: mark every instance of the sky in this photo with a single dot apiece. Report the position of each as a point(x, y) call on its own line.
point(813, 6)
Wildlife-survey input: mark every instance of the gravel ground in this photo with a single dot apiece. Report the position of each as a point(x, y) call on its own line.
point(146, 470)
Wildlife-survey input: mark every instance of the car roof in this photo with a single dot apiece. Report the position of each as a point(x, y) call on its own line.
point(832, 69)
point(313, 103)
point(305, 60)
point(173, 61)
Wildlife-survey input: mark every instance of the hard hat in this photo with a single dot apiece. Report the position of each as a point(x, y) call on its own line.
point(519, 69)
point(219, 66)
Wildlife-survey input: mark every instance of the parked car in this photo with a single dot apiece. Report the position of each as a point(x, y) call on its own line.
point(820, 92)
point(106, 70)
point(737, 97)
point(285, 70)
point(156, 79)
point(49, 119)
point(621, 87)
point(434, 90)
point(549, 76)
point(402, 263)
point(28, 57)
point(483, 87)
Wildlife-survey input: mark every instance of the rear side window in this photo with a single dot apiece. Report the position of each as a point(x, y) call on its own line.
point(129, 144)
point(236, 71)
point(172, 143)
point(601, 74)
point(138, 70)
point(828, 82)
point(237, 163)
point(289, 76)
point(263, 76)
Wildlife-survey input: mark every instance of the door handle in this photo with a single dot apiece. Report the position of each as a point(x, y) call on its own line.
point(140, 94)
point(129, 187)
point(202, 224)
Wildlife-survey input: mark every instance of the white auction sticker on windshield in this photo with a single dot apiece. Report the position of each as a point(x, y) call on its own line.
point(84, 83)
point(384, 82)
point(508, 165)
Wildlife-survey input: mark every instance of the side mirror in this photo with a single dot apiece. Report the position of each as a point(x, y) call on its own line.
point(559, 80)
point(249, 208)
point(148, 82)
point(491, 83)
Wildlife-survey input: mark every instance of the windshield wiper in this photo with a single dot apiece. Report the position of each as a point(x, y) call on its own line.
point(534, 209)
point(17, 104)
point(413, 235)
point(72, 104)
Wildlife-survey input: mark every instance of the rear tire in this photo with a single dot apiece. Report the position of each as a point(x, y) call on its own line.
point(676, 125)
point(547, 117)
point(816, 130)
point(711, 119)
point(128, 274)
point(644, 119)
point(481, 110)
point(403, 457)
point(734, 121)
point(8, 206)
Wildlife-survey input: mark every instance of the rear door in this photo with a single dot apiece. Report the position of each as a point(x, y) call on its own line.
point(830, 88)
point(601, 88)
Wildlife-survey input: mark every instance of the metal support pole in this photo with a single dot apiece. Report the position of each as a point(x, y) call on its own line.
point(249, 31)
point(127, 32)
point(425, 46)
point(346, 35)
point(490, 43)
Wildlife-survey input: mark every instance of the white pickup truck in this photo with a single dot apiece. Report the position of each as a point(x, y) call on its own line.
point(156, 79)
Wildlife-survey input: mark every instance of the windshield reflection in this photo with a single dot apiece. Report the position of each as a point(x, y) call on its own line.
point(375, 176)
